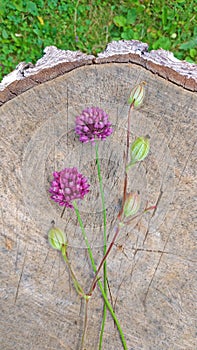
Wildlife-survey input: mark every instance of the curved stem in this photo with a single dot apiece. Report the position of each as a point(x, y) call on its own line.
point(77, 285)
point(79, 290)
point(110, 308)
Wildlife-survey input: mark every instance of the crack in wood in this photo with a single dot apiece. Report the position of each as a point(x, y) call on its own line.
point(21, 274)
point(186, 162)
point(153, 213)
point(159, 261)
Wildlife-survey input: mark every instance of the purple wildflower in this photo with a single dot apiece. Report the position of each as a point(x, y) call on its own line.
point(91, 124)
point(67, 186)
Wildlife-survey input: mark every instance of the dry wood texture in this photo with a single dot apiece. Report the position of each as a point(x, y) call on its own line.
point(151, 269)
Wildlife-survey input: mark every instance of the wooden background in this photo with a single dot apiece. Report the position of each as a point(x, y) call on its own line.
point(151, 269)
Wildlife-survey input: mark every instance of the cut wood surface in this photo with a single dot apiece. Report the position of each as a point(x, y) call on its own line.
point(151, 269)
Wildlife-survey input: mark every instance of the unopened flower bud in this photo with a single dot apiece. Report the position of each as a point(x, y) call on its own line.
point(137, 95)
point(132, 204)
point(139, 150)
point(56, 238)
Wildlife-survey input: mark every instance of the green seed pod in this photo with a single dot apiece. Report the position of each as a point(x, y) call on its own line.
point(137, 95)
point(56, 238)
point(132, 204)
point(139, 149)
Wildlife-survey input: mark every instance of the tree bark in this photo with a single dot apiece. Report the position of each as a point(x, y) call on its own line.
point(57, 62)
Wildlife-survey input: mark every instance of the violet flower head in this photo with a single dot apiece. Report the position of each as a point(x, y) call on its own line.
point(91, 124)
point(68, 185)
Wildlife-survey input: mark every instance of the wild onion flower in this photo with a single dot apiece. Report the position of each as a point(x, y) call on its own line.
point(92, 123)
point(68, 185)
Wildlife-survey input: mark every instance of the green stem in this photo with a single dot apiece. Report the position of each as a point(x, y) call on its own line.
point(79, 290)
point(117, 229)
point(104, 243)
point(77, 285)
point(110, 308)
point(84, 236)
point(85, 324)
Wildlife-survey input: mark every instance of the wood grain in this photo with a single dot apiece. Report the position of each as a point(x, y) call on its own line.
point(152, 268)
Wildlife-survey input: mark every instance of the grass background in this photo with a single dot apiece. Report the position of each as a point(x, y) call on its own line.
point(27, 27)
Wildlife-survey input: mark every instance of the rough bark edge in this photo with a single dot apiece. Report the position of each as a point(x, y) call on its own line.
point(56, 62)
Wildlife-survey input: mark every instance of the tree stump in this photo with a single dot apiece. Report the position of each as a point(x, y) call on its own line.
point(151, 269)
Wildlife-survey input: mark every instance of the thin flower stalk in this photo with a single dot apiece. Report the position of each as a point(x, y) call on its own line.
point(135, 100)
point(58, 241)
point(93, 124)
point(127, 152)
point(59, 193)
point(85, 324)
point(109, 306)
point(122, 222)
point(77, 285)
point(79, 290)
point(96, 280)
point(104, 244)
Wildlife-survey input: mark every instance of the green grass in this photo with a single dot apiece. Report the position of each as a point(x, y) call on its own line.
point(27, 27)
